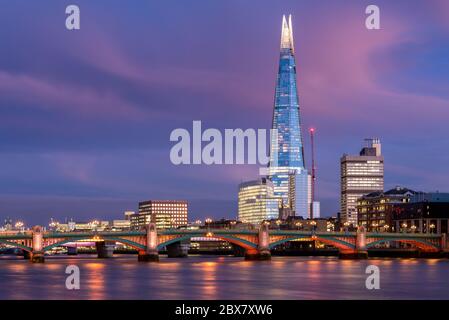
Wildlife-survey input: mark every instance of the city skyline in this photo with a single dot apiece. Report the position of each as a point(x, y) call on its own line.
point(84, 129)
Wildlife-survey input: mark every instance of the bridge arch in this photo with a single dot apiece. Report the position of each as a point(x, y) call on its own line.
point(339, 244)
point(16, 245)
point(419, 243)
point(130, 243)
point(229, 238)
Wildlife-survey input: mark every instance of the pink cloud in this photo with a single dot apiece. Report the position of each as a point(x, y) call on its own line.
point(71, 99)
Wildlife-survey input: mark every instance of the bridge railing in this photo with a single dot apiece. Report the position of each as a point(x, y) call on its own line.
point(16, 235)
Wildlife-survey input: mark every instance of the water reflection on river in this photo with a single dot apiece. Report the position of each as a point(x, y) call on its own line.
point(218, 277)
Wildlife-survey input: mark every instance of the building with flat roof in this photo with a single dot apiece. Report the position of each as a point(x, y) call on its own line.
point(166, 214)
point(299, 195)
point(360, 175)
point(121, 224)
point(128, 214)
point(425, 213)
point(256, 201)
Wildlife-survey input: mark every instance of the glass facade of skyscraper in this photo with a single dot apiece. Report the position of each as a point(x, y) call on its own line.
point(257, 202)
point(286, 153)
point(299, 195)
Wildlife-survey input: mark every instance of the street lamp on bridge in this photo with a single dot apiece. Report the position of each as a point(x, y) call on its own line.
point(346, 224)
point(53, 224)
point(404, 227)
point(19, 226)
point(208, 221)
point(278, 222)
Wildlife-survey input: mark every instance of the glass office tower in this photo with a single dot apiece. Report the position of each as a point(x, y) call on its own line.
point(257, 202)
point(286, 153)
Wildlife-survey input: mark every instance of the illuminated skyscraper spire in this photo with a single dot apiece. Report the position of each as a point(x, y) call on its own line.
point(287, 34)
point(286, 152)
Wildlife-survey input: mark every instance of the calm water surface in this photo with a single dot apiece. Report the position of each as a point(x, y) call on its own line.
point(214, 277)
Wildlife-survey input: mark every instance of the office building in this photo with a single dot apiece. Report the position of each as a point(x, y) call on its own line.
point(128, 214)
point(166, 214)
point(360, 174)
point(316, 210)
point(299, 193)
point(121, 224)
point(257, 201)
point(375, 210)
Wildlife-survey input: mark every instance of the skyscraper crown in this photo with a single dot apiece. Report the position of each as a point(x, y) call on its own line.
point(287, 33)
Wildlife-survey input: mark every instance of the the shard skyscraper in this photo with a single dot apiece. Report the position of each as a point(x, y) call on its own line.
point(286, 169)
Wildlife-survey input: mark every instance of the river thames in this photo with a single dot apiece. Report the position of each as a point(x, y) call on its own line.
point(223, 277)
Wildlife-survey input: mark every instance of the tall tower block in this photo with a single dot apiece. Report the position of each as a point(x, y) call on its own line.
point(286, 152)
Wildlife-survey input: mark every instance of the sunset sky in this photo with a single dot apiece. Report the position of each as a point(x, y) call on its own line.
point(85, 116)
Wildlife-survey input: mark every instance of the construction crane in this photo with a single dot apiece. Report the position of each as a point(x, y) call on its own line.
point(312, 143)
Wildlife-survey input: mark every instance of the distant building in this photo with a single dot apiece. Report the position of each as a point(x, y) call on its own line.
point(430, 197)
point(285, 213)
point(166, 214)
point(121, 224)
point(7, 225)
point(226, 224)
point(128, 214)
point(425, 213)
point(375, 210)
point(256, 201)
point(299, 194)
point(83, 226)
point(316, 209)
point(313, 206)
point(360, 175)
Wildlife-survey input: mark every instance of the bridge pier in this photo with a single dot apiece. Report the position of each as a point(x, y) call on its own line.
point(144, 256)
point(257, 255)
point(37, 255)
point(150, 254)
point(352, 254)
point(360, 251)
point(105, 249)
point(263, 248)
point(444, 245)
